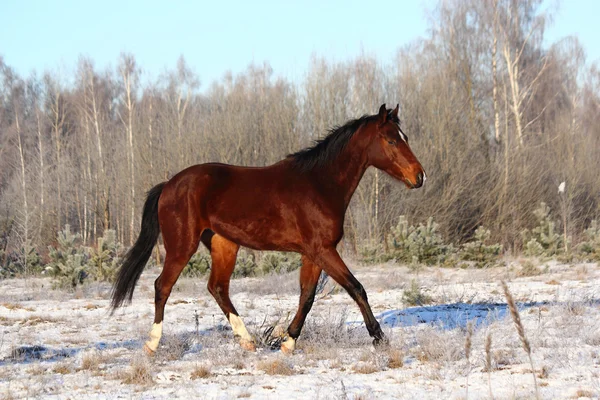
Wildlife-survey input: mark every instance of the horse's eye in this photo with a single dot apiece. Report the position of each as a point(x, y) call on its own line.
point(392, 142)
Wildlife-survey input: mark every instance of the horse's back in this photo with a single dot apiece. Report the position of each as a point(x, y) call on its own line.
point(252, 206)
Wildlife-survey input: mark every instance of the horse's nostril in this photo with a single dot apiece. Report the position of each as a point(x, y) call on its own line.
point(419, 179)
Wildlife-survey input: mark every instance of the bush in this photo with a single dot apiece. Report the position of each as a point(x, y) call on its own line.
point(279, 262)
point(245, 265)
point(590, 247)
point(72, 264)
point(482, 254)
point(422, 244)
point(198, 266)
point(106, 258)
point(413, 296)
point(68, 260)
point(20, 263)
point(373, 253)
point(543, 240)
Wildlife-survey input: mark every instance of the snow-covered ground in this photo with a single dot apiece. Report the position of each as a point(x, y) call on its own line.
point(55, 344)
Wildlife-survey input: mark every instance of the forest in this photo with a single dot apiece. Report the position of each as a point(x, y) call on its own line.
point(499, 117)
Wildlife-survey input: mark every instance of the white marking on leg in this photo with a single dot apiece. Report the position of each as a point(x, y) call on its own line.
point(155, 335)
point(289, 345)
point(239, 329)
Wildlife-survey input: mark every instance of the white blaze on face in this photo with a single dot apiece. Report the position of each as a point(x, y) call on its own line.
point(239, 329)
point(155, 335)
point(402, 135)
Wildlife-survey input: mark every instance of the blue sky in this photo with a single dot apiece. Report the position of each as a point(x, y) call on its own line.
point(218, 36)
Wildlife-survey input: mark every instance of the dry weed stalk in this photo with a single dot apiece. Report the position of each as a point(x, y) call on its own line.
point(468, 344)
point(514, 312)
point(488, 361)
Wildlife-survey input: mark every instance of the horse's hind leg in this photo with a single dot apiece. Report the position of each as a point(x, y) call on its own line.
point(309, 278)
point(181, 242)
point(224, 254)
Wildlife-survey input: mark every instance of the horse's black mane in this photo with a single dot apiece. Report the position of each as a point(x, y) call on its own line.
point(328, 148)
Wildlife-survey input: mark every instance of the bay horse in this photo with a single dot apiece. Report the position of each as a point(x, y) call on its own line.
point(295, 205)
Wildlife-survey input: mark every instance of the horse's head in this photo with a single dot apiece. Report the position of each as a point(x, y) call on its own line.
point(389, 150)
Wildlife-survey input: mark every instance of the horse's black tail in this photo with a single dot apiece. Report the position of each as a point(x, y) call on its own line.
point(138, 255)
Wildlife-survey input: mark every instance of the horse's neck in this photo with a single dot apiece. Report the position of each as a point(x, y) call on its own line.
point(348, 169)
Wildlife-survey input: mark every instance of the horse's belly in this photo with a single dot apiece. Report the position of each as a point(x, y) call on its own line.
point(259, 233)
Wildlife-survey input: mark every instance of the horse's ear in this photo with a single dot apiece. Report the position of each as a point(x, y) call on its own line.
point(395, 111)
point(382, 114)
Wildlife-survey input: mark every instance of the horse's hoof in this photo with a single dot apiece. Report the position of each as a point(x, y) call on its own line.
point(148, 350)
point(288, 346)
point(247, 345)
point(381, 343)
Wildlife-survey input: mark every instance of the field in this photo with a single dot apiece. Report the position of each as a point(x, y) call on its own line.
point(57, 344)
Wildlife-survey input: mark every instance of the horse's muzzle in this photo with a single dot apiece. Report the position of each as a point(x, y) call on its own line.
point(421, 177)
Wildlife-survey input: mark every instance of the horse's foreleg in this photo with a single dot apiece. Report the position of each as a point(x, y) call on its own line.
point(224, 253)
point(309, 278)
point(334, 266)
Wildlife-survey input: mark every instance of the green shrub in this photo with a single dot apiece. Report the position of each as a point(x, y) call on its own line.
point(530, 269)
point(414, 296)
point(245, 265)
point(422, 244)
point(543, 240)
point(590, 247)
point(105, 259)
point(72, 264)
point(279, 262)
point(373, 253)
point(68, 260)
point(26, 261)
point(478, 251)
point(199, 265)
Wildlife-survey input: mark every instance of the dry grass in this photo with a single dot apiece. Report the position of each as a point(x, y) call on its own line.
point(63, 368)
point(173, 347)
point(16, 306)
point(36, 369)
point(583, 393)
point(200, 372)
point(38, 319)
point(8, 395)
point(488, 362)
point(365, 367)
point(138, 373)
point(92, 360)
point(468, 345)
point(514, 312)
point(395, 359)
point(277, 366)
point(433, 345)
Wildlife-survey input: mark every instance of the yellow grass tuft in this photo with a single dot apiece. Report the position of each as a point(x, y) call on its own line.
point(200, 372)
point(138, 373)
point(275, 367)
point(396, 359)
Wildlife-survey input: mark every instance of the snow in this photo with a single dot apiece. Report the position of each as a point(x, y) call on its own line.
point(60, 345)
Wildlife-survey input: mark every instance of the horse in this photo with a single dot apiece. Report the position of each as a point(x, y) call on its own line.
point(295, 205)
